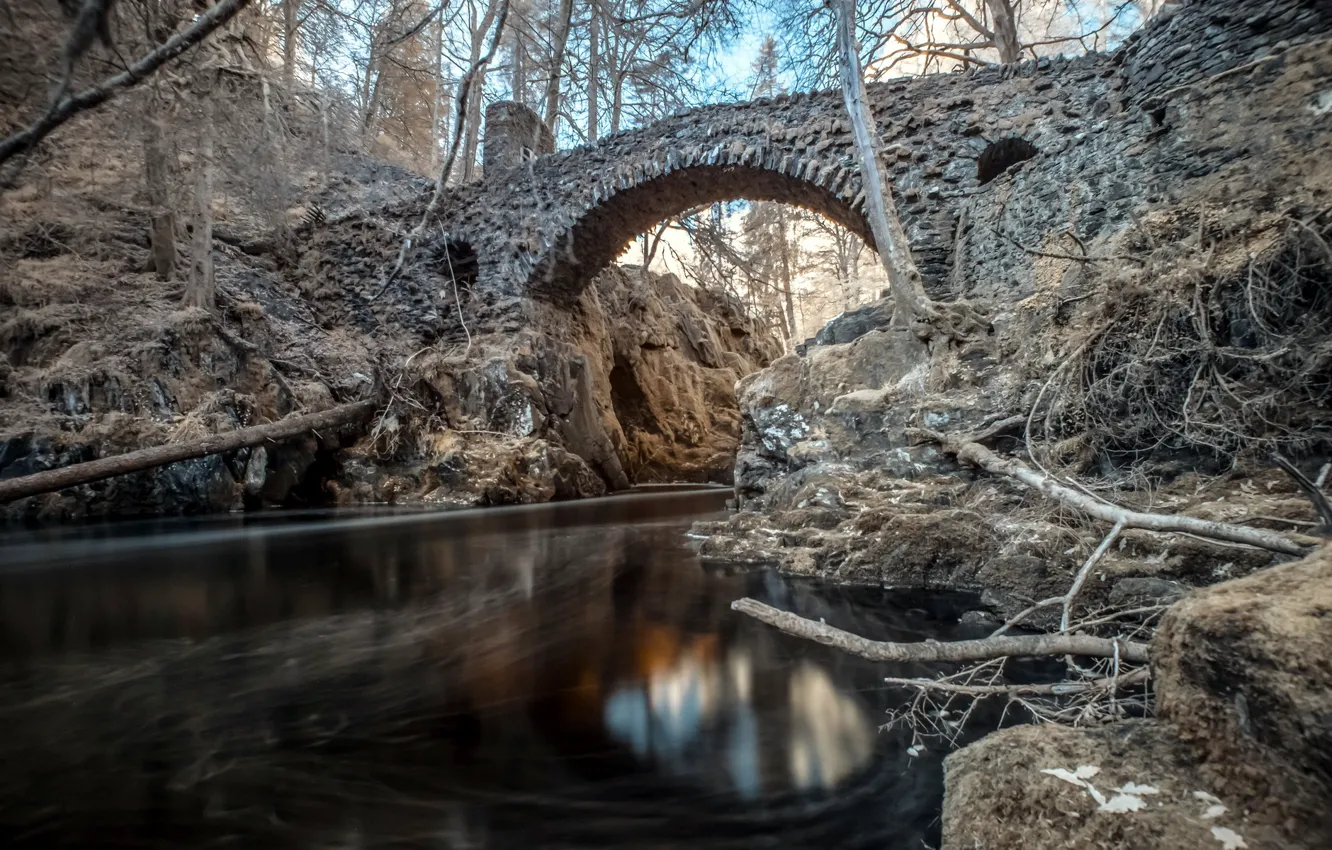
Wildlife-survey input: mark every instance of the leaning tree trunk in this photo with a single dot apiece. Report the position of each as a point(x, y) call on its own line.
point(199, 291)
point(889, 237)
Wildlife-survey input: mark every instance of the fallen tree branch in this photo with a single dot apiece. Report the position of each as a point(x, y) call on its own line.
point(1068, 598)
point(109, 467)
point(974, 453)
point(67, 107)
point(1058, 689)
point(960, 650)
point(1081, 578)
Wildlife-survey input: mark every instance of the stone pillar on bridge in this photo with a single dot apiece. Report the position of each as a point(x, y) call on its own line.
point(514, 134)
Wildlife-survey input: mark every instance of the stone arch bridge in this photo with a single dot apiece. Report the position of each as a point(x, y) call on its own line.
point(546, 226)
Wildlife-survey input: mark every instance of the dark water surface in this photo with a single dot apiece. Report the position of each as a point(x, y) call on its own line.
point(555, 676)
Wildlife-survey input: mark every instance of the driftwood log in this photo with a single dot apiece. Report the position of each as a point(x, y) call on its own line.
point(109, 467)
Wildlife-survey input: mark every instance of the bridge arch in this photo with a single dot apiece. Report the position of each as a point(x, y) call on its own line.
point(623, 207)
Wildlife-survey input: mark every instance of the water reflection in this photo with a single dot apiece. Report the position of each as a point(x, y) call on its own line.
point(555, 677)
point(694, 710)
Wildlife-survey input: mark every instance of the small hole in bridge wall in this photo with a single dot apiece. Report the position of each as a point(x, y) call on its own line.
point(458, 259)
point(998, 156)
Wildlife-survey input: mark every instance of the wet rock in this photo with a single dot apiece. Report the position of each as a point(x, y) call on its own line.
point(1240, 751)
point(1244, 673)
point(1134, 592)
point(853, 324)
point(995, 794)
point(256, 471)
point(979, 618)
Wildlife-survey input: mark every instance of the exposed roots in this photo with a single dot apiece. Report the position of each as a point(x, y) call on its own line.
point(1225, 351)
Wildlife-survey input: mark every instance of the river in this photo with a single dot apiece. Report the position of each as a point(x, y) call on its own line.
point(550, 676)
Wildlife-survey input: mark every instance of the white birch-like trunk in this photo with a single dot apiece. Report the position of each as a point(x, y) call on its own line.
point(1003, 23)
point(889, 238)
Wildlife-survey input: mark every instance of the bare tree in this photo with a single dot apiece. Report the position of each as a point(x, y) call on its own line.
point(291, 23)
point(157, 179)
point(200, 290)
point(563, 22)
point(472, 137)
point(889, 237)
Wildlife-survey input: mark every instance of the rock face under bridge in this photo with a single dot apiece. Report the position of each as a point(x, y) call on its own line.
point(548, 226)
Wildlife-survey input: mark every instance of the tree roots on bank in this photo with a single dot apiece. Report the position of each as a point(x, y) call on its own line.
point(1210, 345)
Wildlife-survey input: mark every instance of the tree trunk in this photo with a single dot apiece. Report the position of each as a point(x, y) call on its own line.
point(278, 179)
point(890, 239)
point(200, 291)
point(565, 21)
point(518, 66)
point(157, 176)
point(1004, 25)
point(438, 104)
point(784, 247)
point(109, 467)
point(470, 171)
point(617, 98)
point(593, 73)
point(476, 92)
point(327, 160)
point(290, 8)
point(367, 83)
point(843, 247)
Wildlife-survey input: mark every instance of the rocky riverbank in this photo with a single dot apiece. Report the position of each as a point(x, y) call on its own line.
point(1155, 361)
point(519, 403)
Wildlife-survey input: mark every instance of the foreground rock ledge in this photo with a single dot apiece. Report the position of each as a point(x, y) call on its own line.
point(1244, 687)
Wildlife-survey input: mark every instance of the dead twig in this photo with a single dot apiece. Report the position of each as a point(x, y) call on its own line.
point(1311, 490)
point(1110, 683)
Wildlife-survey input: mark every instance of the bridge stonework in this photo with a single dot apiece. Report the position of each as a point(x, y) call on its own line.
point(546, 227)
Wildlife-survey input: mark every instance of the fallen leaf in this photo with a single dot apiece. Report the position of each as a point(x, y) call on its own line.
point(1066, 775)
point(1229, 838)
point(1135, 788)
point(1123, 803)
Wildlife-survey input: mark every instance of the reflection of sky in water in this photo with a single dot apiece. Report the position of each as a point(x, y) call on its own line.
point(696, 717)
